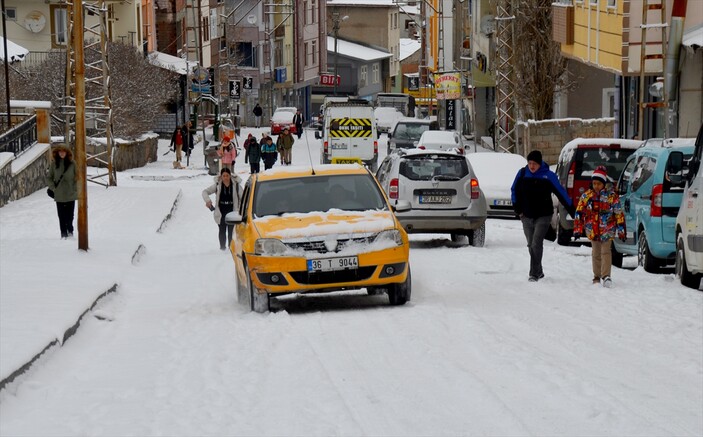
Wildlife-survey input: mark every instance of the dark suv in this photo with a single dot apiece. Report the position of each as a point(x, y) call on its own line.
point(577, 160)
point(406, 132)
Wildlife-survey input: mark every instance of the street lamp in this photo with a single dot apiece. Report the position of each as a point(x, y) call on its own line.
point(336, 19)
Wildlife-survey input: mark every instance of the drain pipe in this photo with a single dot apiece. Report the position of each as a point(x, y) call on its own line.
point(671, 67)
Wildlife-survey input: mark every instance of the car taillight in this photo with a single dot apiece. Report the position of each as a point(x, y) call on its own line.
point(324, 147)
point(656, 207)
point(474, 189)
point(570, 180)
point(375, 147)
point(393, 190)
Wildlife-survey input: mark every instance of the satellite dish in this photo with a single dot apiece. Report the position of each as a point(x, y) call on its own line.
point(251, 19)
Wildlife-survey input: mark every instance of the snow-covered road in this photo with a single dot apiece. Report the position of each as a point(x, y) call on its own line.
point(477, 351)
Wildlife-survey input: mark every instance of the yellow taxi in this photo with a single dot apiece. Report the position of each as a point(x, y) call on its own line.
point(327, 228)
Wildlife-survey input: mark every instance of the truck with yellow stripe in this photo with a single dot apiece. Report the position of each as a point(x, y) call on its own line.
point(349, 134)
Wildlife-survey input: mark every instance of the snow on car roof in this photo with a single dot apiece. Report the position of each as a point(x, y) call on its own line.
point(302, 170)
point(626, 144)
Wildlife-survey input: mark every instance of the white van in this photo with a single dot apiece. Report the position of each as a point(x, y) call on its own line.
point(689, 222)
point(349, 134)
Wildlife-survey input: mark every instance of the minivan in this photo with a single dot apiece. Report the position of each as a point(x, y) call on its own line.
point(650, 200)
point(689, 222)
point(577, 160)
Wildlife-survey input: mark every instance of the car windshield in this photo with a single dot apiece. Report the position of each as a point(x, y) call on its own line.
point(357, 192)
point(434, 167)
point(587, 159)
point(410, 131)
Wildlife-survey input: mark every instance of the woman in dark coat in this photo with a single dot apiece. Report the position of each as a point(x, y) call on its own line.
point(253, 155)
point(62, 181)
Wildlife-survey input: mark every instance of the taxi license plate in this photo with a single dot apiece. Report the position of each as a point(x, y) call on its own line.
point(331, 264)
point(346, 161)
point(503, 202)
point(435, 199)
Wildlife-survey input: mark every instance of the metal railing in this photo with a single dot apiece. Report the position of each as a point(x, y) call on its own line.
point(20, 137)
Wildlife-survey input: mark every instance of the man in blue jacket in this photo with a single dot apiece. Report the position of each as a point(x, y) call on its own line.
point(532, 201)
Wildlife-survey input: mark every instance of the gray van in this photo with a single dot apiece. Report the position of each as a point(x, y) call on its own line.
point(407, 131)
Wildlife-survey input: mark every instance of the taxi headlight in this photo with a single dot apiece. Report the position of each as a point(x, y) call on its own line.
point(390, 235)
point(269, 247)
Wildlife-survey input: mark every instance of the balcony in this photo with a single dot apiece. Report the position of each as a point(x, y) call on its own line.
point(563, 23)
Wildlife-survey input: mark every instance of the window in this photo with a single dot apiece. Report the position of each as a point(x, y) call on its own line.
point(306, 13)
point(643, 171)
point(363, 75)
point(313, 11)
point(246, 54)
point(11, 14)
point(206, 29)
point(612, 3)
point(593, 2)
point(376, 76)
point(307, 54)
point(314, 52)
point(59, 28)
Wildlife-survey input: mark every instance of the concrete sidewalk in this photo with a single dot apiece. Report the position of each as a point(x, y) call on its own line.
point(47, 285)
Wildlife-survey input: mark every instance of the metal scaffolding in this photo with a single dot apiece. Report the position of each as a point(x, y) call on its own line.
point(88, 52)
point(655, 53)
point(506, 105)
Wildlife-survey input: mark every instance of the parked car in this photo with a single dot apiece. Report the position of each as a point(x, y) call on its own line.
point(283, 118)
point(577, 160)
point(689, 221)
point(496, 173)
point(315, 231)
point(441, 140)
point(443, 192)
point(650, 200)
point(406, 132)
point(385, 118)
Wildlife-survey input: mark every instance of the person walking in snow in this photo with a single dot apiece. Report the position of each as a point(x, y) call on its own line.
point(600, 218)
point(268, 153)
point(62, 182)
point(284, 144)
point(298, 121)
point(253, 155)
point(258, 112)
point(177, 145)
point(531, 194)
point(228, 192)
point(227, 153)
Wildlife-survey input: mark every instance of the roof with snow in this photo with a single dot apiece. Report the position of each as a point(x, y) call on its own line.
point(15, 51)
point(170, 62)
point(408, 46)
point(356, 51)
point(693, 37)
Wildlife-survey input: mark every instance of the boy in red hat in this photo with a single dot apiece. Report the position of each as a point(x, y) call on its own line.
point(599, 217)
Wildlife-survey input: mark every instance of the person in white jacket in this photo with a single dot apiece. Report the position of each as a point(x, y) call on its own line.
point(228, 192)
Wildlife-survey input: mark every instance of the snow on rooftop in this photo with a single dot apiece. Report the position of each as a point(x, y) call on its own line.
point(356, 51)
point(16, 52)
point(408, 46)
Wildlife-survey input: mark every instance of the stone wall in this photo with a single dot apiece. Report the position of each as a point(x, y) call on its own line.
point(133, 154)
point(28, 180)
point(549, 136)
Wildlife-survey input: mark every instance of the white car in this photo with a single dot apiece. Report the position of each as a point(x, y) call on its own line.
point(441, 140)
point(385, 118)
point(496, 173)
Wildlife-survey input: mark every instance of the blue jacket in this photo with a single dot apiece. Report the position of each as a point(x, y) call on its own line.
point(531, 193)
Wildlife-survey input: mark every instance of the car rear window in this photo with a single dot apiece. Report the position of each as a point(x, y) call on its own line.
point(318, 193)
point(410, 131)
point(426, 167)
point(587, 159)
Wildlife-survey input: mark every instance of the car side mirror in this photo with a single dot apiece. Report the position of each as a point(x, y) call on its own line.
point(402, 206)
point(233, 218)
point(674, 169)
point(317, 134)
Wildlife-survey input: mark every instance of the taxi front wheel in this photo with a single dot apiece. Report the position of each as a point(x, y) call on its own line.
point(259, 302)
point(399, 294)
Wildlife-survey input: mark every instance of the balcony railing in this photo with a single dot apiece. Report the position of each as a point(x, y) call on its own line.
point(20, 137)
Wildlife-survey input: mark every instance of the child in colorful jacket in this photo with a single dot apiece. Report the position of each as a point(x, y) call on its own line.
point(599, 217)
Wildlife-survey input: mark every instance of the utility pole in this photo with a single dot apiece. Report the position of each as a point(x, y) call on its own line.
point(80, 161)
point(335, 29)
point(7, 72)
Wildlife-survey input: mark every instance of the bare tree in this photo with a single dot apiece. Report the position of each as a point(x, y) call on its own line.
point(541, 70)
point(140, 91)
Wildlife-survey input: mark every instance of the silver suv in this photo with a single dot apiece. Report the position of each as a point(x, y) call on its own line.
point(442, 189)
point(406, 132)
